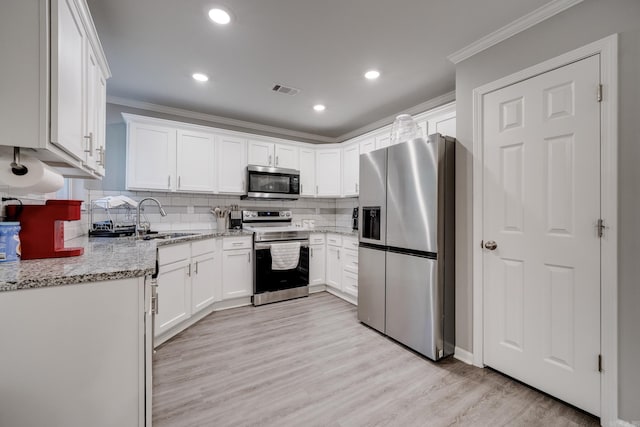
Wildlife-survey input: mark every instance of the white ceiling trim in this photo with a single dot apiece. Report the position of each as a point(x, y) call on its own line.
point(519, 25)
point(218, 119)
point(420, 108)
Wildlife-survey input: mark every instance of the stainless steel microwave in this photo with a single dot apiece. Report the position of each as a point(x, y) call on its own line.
point(264, 182)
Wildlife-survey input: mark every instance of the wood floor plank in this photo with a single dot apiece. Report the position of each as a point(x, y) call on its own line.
point(309, 362)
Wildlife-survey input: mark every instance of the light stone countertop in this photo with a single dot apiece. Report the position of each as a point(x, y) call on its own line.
point(104, 259)
point(345, 231)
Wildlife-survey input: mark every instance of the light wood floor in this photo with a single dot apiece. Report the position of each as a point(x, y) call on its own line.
point(309, 362)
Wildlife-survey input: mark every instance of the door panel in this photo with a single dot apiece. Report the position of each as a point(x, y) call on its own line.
point(411, 302)
point(412, 194)
point(373, 177)
point(541, 203)
point(371, 287)
point(196, 161)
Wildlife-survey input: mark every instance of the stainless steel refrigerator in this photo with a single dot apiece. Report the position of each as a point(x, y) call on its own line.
point(406, 276)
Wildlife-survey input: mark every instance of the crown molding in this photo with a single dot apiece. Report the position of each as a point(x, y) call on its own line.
point(218, 120)
point(420, 108)
point(519, 25)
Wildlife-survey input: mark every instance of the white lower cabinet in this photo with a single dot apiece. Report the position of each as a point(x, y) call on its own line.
point(334, 267)
point(317, 261)
point(237, 267)
point(174, 291)
point(205, 274)
point(350, 283)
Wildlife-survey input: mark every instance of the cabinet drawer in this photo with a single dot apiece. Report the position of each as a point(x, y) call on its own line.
point(200, 247)
point(237, 243)
point(350, 243)
point(350, 283)
point(174, 253)
point(350, 260)
point(315, 239)
point(334, 240)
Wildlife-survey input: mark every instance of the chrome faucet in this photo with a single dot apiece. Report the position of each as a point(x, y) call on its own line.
point(139, 228)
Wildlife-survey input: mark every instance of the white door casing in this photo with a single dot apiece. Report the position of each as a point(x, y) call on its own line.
point(606, 171)
point(541, 205)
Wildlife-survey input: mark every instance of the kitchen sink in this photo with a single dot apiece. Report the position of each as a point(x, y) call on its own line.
point(165, 236)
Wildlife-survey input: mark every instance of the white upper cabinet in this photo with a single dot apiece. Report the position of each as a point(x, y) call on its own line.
point(264, 153)
point(444, 124)
point(328, 172)
point(196, 163)
point(383, 140)
point(151, 157)
point(52, 69)
point(307, 172)
point(367, 145)
point(232, 164)
point(286, 156)
point(350, 170)
point(260, 153)
point(68, 52)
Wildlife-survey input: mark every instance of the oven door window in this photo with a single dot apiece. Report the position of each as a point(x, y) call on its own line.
point(267, 280)
point(269, 183)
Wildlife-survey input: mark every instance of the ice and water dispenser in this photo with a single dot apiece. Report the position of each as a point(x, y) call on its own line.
point(371, 222)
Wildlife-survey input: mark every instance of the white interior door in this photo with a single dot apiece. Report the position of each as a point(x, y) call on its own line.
point(541, 204)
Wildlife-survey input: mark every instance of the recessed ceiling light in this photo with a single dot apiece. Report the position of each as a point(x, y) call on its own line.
point(319, 107)
point(200, 77)
point(372, 74)
point(219, 16)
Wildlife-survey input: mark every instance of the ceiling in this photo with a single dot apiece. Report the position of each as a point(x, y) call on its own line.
point(322, 48)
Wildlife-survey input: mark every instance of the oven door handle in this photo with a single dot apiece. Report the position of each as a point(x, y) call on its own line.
point(259, 246)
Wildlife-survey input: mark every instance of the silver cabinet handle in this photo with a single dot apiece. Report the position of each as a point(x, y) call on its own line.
point(491, 245)
point(189, 271)
point(89, 139)
point(179, 180)
point(316, 190)
point(196, 267)
point(277, 161)
point(301, 189)
point(338, 253)
point(154, 297)
point(237, 243)
point(249, 257)
point(100, 151)
point(169, 181)
point(311, 250)
point(269, 159)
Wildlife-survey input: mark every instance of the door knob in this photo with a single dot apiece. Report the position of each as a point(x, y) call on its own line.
point(491, 245)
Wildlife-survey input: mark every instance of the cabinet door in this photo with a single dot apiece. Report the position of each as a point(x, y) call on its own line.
point(350, 283)
point(237, 274)
point(307, 172)
point(67, 77)
point(349, 258)
point(334, 267)
point(328, 172)
point(444, 124)
point(204, 279)
point(317, 264)
point(232, 165)
point(196, 161)
point(174, 299)
point(350, 170)
point(260, 153)
point(286, 156)
point(383, 141)
point(91, 109)
point(367, 145)
point(151, 157)
point(100, 150)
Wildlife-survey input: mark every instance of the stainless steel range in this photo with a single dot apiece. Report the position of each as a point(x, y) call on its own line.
point(281, 255)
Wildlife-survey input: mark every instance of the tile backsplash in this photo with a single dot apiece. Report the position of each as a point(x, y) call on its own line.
point(192, 211)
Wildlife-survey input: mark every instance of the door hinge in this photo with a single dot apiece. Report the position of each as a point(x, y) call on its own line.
point(599, 95)
point(482, 244)
point(599, 363)
point(600, 227)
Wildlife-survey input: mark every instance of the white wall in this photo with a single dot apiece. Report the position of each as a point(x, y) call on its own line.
point(589, 21)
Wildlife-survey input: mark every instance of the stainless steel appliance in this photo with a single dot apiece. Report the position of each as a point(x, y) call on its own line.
point(406, 253)
point(271, 228)
point(272, 183)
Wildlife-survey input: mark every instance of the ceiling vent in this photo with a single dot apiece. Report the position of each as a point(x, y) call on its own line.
point(291, 91)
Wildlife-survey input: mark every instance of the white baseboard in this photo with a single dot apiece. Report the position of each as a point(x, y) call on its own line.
point(463, 356)
point(317, 288)
point(348, 298)
point(622, 423)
